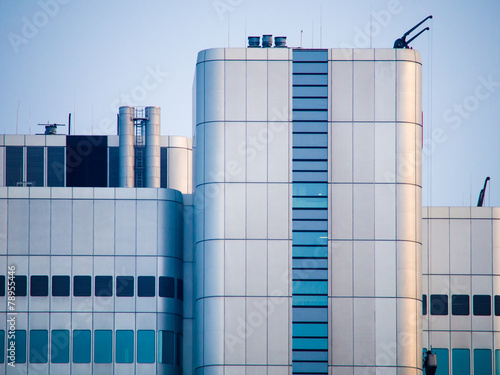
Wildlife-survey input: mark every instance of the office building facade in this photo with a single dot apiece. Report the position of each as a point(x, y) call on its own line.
point(288, 238)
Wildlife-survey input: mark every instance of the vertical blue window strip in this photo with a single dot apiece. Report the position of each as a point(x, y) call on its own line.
point(309, 214)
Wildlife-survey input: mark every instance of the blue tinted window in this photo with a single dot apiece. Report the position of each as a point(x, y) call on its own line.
point(482, 361)
point(310, 238)
point(163, 167)
point(59, 348)
point(20, 344)
point(34, 165)
point(124, 346)
point(310, 176)
point(308, 300)
point(310, 103)
point(13, 165)
point(497, 305)
point(310, 79)
point(124, 286)
point(166, 286)
point(114, 167)
point(310, 202)
point(146, 346)
point(482, 305)
point(310, 127)
point(310, 314)
point(103, 346)
point(442, 360)
point(2, 345)
point(310, 55)
point(310, 330)
point(313, 91)
point(460, 304)
point(460, 361)
point(39, 346)
point(55, 166)
point(310, 116)
point(310, 263)
point(310, 287)
point(180, 289)
point(305, 190)
point(166, 347)
point(103, 286)
point(424, 304)
point(310, 154)
point(39, 286)
point(2, 285)
point(310, 367)
point(308, 214)
point(310, 343)
point(60, 286)
point(497, 361)
point(81, 346)
point(309, 67)
point(310, 225)
point(178, 351)
point(146, 286)
point(82, 286)
point(310, 166)
point(21, 283)
point(439, 304)
point(310, 251)
point(310, 274)
point(310, 355)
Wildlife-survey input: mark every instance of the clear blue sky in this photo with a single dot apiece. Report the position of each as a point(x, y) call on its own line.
point(89, 57)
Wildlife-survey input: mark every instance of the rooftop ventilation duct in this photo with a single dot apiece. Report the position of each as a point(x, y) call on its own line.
point(267, 41)
point(254, 41)
point(280, 41)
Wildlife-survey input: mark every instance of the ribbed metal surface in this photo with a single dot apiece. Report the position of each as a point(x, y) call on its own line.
point(126, 152)
point(153, 157)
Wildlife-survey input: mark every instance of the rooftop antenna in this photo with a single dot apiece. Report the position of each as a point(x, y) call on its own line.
point(481, 194)
point(312, 33)
point(371, 24)
point(301, 34)
point(402, 43)
point(17, 116)
point(321, 26)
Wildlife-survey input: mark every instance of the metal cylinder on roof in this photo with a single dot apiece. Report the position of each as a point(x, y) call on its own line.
point(267, 41)
point(126, 149)
point(152, 157)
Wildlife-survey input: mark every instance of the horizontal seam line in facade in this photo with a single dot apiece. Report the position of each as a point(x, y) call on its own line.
point(91, 255)
point(94, 199)
point(246, 239)
point(379, 297)
point(374, 240)
point(245, 296)
point(373, 122)
point(378, 366)
point(460, 274)
point(314, 61)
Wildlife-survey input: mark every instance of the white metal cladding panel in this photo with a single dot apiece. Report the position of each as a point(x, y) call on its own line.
point(125, 221)
point(83, 223)
point(235, 90)
point(364, 331)
point(256, 201)
point(235, 152)
point(385, 331)
point(235, 268)
point(341, 152)
point(256, 271)
point(277, 209)
point(18, 226)
point(235, 211)
point(363, 211)
point(341, 212)
point(341, 87)
point(214, 152)
point(213, 331)
point(407, 278)
point(481, 243)
point(341, 267)
point(234, 330)
point(363, 268)
point(460, 249)
point(257, 82)
point(385, 83)
point(214, 91)
point(407, 164)
point(256, 151)
point(363, 150)
point(385, 212)
point(385, 152)
point(39, 226)
point(279, 151)
point(363, 91)
point(256, 322)
point(104, 227)
point(406, 91)
point(385, 266)
point(278, 90)
point(214, 268)
point(179, 169)
point(213, 209)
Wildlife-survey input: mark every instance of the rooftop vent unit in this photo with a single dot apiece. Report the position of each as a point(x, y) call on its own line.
point(267, 41)
point(254, 42)
point(280, 41)
point(51, 129)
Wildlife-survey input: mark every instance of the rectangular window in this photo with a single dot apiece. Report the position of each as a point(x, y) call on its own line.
point(310, 314)
point(146, 286)
point(59, 350)
point(81, 346)
point(308, 214)
point(310, 55)
point(166, 347)
point(39, 286)
point(124, 346)
point(424, 304)
point(103, 346)
point(310, 80)
point(310, 202)
point(309, 176)
point(309, 190)
point(178, 351)
point(60, 286)
point(460, 361)
point(21, 282)
point(166, 287)
point(309, 225)
point(311, 274)
point(439, 304)
point(55, 166)
point(310, 251)
point(82, 286)
point(310, 263)
point(497, 361)
point(442, 360)
point(482, 361)
point(2, 285)
point(125, 286)
point(13, 165)
point(310, 300)
point(34, 165)
point(310, 330)
point(482, 305)
point(460, 304)
point(39, 345)
point(310, 238)
point(310, 103)
point(310, 343)
point(20, 344)
point(146, 346)
point(2, 345)
point(310, 287)
point(310, 92)
point(310, 154)
point(163, 167)
point(310, 67)
point(114, 167)
point(497, 305)
point(309, 166)
point(180, 289)
point(103, 286)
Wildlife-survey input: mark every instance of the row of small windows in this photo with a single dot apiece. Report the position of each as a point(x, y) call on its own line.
point(129, 346)
point(460, 304)
point(124, 286)
point(461, 361)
